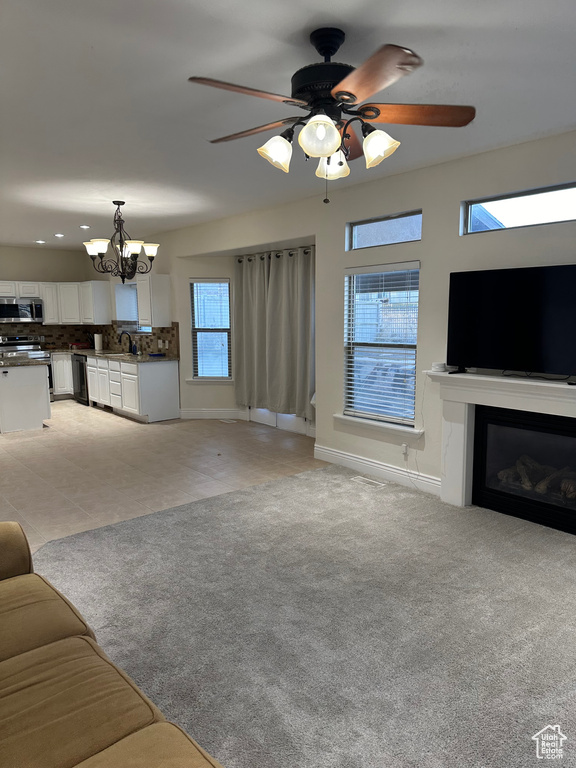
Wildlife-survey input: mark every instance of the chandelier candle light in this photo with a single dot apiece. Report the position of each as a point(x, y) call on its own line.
point(124, 261)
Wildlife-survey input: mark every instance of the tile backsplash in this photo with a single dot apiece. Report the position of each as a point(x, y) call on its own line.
point(61, 336)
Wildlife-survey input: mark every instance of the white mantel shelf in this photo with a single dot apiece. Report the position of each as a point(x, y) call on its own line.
point(460, 392)
point(520, 394)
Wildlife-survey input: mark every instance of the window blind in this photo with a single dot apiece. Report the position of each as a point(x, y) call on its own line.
point(381, 323)
point(211, 336)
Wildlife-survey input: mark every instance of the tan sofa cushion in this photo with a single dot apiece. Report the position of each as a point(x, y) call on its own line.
point(33, 613)
point(65, 702)
point(15, 557)
point(162, 745)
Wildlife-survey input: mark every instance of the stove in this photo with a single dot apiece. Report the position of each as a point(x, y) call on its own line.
point(23, 347)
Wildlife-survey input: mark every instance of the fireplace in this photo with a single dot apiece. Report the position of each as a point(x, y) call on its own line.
point(525, 465)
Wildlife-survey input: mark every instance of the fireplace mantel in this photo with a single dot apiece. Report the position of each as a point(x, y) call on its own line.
point(461, 392)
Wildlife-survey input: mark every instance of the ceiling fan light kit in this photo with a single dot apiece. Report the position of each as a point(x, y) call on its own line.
point(332, 94)
point(377, 145)
point(124, 261)
point(278, 151)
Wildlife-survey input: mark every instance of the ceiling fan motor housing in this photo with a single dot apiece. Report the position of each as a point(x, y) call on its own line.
point(314, 83)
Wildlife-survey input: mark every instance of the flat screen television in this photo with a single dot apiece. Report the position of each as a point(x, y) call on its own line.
point(520, 319)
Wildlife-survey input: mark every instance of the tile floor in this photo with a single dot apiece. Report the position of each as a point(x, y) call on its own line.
point(88, 467)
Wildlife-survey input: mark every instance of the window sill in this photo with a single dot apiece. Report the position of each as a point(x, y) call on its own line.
point(209, 381)
point(382, 427)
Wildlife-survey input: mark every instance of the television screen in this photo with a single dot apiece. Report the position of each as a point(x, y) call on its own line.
point(520, 319)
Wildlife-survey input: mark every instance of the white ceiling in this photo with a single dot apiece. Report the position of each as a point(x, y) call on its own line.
point(95, 103)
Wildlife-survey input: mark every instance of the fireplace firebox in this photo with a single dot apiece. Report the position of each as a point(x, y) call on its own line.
point(525, 465)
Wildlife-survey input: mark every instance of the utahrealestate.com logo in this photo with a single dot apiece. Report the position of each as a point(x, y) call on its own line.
point(549, 743)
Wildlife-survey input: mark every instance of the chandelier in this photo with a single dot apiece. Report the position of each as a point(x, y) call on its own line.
point(123, 262)
point(329, 141)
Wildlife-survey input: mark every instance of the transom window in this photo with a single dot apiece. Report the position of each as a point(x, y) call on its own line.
point(522, 209)
point(211, 336)
point(381, 324)
point(398, 228)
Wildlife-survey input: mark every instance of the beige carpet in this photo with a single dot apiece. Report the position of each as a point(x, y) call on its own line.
point(316, 622)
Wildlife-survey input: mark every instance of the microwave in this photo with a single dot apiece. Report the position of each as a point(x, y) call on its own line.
point(21, 310)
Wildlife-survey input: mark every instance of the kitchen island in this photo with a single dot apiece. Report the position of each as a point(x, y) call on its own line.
point(24, 394)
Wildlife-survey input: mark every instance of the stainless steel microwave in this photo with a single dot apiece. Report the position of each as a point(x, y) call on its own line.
point(21, 310)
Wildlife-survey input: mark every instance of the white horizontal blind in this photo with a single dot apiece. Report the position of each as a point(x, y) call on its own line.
point(211, 336)
point(381, 319)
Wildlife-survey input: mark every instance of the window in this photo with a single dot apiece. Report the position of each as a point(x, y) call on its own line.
point(127, 309)
point(211, 342)
point(381, 318)
point(523, 209)
point(399, 228)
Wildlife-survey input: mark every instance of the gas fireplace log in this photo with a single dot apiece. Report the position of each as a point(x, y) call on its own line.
point(509, 475)
point(531, 472)
point(553, 481)
point(568, 487)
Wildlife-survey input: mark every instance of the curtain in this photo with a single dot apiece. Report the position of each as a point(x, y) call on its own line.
point(274, 331)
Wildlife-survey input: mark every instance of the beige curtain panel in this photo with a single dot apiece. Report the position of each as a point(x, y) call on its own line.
point(274, 331)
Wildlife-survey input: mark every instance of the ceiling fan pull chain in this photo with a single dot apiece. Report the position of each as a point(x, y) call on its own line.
point(326, 199)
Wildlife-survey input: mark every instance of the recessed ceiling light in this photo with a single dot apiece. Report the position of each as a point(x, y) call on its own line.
point(58, 235)
point(84, 226)
point(40, 241)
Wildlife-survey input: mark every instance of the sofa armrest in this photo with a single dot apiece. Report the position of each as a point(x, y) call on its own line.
point(15, 557)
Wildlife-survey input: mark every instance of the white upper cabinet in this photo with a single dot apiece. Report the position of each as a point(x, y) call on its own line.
point(49, 295)
point(154, 300)
point(69, 303)
point(95, 302)
point(7, 288)
point(28, 290)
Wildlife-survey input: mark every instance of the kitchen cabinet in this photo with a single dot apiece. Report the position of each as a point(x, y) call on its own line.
point(103, 382)
point(153, 294)
point(69, 303)
point(62, 374)
point(92, 379)
point(7, 288)
point(146, 391)
point(130, 394)
point(95, 302)
point(24, 397)
point(49, 295)
point(28, 290)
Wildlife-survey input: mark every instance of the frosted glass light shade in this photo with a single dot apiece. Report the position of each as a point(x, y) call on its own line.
point(319, 137)
point(133, 246)
point(151, 249)
point(333, 167)
point(92, 248)
point(278, 152)
point(377, 146)
point(101, 244)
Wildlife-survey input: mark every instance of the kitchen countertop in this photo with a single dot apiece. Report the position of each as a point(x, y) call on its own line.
point(13, 362)
point(122, 358)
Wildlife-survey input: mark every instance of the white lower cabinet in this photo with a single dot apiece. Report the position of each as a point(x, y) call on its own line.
point(62, 374)
point(146, 391)
point(130, 395)
point(103, 383)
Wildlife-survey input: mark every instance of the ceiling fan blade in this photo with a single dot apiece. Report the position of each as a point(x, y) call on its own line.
point(450, 115)
point(388, 64)
point(251, 131)
point(248, 91)
point(353, 144)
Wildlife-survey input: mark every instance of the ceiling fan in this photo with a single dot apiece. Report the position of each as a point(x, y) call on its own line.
point(335, 91)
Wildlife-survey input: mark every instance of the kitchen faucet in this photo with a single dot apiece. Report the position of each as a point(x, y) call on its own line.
point(130, 349)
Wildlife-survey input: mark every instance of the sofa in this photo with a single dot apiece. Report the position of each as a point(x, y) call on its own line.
point(63, 702)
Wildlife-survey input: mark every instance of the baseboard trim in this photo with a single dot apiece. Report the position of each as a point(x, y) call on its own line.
point(214, 413)
point(379, 469)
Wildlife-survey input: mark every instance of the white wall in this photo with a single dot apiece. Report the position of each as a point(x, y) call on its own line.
point(45, 265)
point(198, 252)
